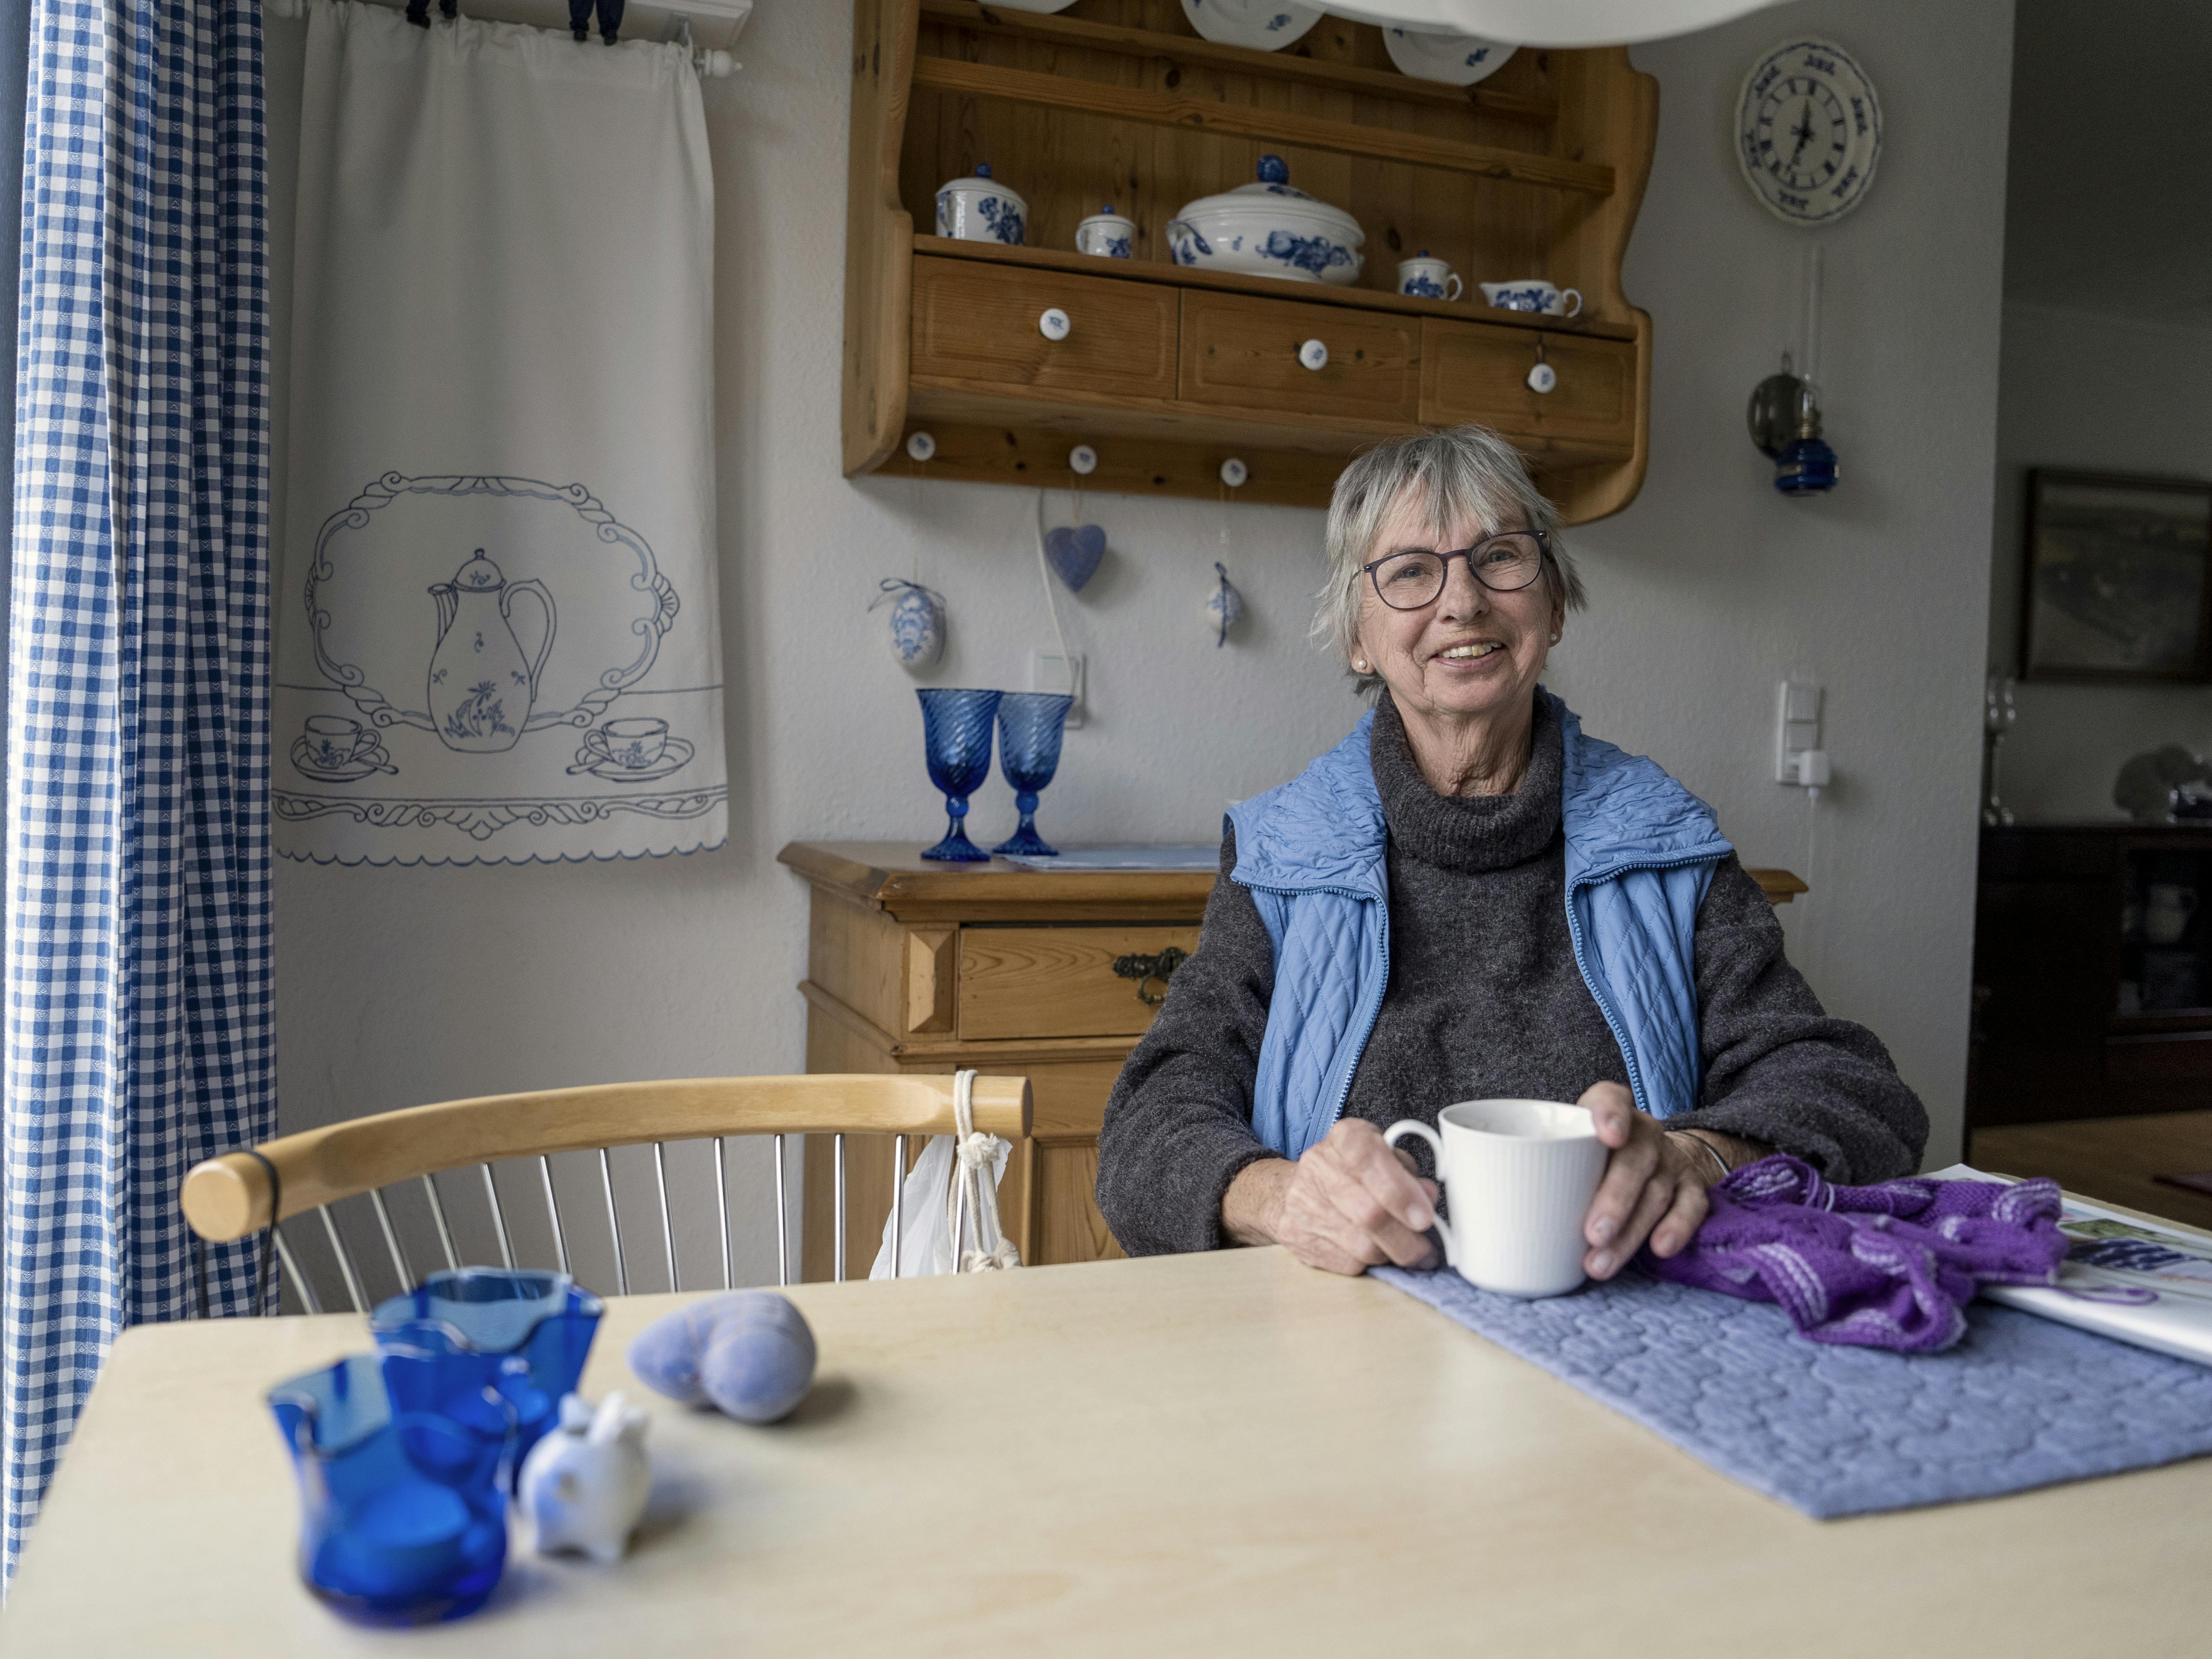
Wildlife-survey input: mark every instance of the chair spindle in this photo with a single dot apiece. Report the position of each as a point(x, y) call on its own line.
point(898, 1200)
point(839, 1218)
point(782, 1225)
point(722, 1207)
point(445, 1231)
point(614, 1222)
point(345, 1259)
point(667, 1227)
point(300, 1281)
point(498, 1220)
point(392, 1240)
point(553, 1211)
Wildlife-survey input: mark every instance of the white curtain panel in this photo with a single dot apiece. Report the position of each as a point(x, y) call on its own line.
point(1552, 22)
point(497, 631)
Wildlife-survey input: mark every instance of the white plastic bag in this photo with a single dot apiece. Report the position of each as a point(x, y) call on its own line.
point(930, 1200)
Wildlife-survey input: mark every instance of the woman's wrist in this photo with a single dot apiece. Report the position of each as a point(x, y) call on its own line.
point(1718, 1153)
point(1254, 1201)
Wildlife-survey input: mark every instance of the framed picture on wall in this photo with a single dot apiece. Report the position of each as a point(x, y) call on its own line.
point(2118, 583)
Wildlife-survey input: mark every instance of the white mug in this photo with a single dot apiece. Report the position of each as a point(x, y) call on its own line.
point(1520, 1175)
point(1533, 293)
point(1426, 278)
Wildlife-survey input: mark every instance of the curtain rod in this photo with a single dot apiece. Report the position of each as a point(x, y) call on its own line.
point(708, 61)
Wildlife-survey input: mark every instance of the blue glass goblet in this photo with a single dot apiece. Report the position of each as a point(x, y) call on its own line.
point(956, 726)
point(1030, 725)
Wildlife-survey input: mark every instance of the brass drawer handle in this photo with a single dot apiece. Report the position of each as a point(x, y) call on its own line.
point(1144, 969)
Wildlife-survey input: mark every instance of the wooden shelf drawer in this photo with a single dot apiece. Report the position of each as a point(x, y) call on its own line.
point(1479, 372)
point(1057, 981)
point(976, 324)
point(1242, 353)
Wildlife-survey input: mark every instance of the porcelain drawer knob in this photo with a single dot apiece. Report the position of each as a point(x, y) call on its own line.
point(1313, 353)
point(1543, 378)
point(1054, 324)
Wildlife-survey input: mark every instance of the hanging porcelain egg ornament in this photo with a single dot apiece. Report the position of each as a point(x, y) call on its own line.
point(1224, 606)
point(1075, 553)
point(917, 623)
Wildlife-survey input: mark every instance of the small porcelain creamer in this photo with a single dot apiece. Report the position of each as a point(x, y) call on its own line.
point(584, 1486)
point(980, 210)
point(1107, 235)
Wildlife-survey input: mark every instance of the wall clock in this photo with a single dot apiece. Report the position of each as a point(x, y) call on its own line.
point(1808, 131)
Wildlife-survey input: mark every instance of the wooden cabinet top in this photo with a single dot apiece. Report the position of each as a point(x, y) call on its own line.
point(894, 877)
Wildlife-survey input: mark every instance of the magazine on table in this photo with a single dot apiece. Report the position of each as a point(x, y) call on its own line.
point(2126, 1277)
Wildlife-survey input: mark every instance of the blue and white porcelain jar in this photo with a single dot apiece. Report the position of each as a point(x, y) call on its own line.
point(1269, 229)
point(980, 210)
point(1107, 235)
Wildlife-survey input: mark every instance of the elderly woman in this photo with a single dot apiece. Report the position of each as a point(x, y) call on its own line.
point(1469, 898)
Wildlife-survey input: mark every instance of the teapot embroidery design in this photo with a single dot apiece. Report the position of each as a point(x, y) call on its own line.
point(482, 682)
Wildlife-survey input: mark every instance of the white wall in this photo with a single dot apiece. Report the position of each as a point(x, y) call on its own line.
point(2109, 394)
point(404, 985)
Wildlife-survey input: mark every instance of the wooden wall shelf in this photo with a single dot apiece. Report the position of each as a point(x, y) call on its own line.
point(1178, 50)
point(1217, 115)
point(1167, 371)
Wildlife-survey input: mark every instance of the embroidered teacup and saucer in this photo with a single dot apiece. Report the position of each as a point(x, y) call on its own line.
point(334, 750)
point(631, 750)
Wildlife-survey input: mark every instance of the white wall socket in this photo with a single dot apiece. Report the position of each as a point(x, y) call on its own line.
point(1049, 671)
point(1797, 728)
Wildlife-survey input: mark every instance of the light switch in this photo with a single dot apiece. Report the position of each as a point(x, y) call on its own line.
point(1797, 728)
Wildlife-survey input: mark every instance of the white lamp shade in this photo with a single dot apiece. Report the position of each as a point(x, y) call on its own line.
point(1551, 22)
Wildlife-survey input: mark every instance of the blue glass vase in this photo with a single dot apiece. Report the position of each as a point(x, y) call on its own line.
point(956, 727)
point(403, 1514)
point(521, 1333)
point(1031, 726)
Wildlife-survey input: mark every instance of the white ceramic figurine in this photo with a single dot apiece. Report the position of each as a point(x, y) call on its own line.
point(584, 1486)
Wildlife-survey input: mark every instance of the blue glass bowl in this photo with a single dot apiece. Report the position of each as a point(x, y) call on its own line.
point(956, 729)
point(402, 1514)
point(1031, 726)
point(522, 1333)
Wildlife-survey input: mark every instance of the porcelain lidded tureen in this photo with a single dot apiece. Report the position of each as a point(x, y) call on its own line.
point(1268, 228)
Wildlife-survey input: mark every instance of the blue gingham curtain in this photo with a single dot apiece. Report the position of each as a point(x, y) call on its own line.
point(140, 1029)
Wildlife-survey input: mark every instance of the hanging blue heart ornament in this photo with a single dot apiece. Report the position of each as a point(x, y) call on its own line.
point(1075, 553)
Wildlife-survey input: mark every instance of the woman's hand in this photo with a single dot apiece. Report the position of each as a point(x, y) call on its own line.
point(1349, 1204)
point(1653, 1186)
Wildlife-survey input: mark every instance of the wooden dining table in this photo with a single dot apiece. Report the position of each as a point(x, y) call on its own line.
point(1223, 1454)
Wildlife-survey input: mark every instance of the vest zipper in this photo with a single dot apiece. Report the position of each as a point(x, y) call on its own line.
point(1344, 1095)
point(1636, 1088)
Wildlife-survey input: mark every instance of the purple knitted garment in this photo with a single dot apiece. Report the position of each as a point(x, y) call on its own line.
point(1886, 1266)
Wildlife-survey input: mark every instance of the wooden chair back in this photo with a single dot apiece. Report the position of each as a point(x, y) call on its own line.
point(240, 1194)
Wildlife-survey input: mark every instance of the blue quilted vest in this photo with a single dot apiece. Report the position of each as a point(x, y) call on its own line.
point(1640, 853)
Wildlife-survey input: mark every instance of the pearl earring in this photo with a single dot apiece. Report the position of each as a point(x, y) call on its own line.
point(1359, 665)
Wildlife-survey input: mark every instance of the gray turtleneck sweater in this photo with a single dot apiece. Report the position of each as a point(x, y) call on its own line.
point(1485, 1000)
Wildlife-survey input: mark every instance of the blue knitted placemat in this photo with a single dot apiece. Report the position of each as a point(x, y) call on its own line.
point(2019, 1402)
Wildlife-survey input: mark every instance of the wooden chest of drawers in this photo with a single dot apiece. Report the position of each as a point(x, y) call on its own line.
point(921, 967)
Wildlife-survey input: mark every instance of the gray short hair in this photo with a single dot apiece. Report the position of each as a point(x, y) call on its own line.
point(1456, 472)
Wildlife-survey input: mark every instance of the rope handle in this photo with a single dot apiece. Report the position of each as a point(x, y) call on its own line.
point(973, 1191)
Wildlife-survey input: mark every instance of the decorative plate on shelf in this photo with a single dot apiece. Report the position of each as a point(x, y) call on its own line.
point(1456, 60)
point(1808, 131)
point(1262, 25)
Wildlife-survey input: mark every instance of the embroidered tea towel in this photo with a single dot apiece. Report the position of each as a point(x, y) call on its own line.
point(497, 633)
